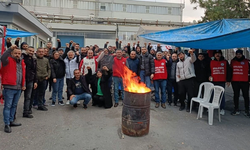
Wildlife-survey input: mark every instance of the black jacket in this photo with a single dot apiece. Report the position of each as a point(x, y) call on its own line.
point(201, 70)
point(72, 86)
point(104, 86)
point(57, 68)
point(169, 64)
point(149, 64)
point(30, 63)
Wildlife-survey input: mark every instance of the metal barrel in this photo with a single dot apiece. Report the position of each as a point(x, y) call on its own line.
point(136, 113)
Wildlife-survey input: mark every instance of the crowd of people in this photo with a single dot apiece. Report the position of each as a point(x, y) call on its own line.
point(91, 71)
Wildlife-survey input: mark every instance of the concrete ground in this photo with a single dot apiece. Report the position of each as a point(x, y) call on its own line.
point(65, 128)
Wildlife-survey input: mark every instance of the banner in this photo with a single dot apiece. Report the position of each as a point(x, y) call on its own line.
point(163, 47)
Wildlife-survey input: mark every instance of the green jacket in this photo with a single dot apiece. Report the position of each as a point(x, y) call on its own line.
point(43, 69)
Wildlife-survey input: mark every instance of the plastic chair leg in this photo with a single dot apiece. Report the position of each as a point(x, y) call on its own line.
point(198, 115)
point(219, 115)
point(210, 115)
point(201, 112)
point(191, 105)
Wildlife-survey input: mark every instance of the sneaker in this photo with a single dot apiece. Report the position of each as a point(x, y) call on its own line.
point(246, 113)
point(50, 98)
point(53, 104)
point(45, 104)
point(222, 112)
point(68, 102)
point(78, 103)
point(62, 97)
point(75, 105)
point(85, 106)
point(35, 106)
point(61, 103)
point(42, 108)
point(236, 112)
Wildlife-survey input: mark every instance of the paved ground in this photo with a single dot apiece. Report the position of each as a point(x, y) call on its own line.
point(64, 128)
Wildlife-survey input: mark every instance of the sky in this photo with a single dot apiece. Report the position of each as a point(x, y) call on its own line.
point(188, 13)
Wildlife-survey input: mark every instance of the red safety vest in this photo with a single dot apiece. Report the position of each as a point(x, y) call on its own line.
point(218, 70)
point(160, 70)
point(9, 73)
point(240, 70)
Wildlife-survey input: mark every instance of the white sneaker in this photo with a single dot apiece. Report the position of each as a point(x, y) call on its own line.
point(78, 103)
point(67, 102)
point(222, 112)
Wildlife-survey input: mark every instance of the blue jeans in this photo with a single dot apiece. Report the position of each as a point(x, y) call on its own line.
point(11, 98)
point(145, 79)
point(84, 96)
point(117, 81)
point(57, 89)
point(160, 84)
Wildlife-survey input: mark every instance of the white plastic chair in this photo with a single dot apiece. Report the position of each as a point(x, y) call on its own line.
point(208, 87)
point(218, 94)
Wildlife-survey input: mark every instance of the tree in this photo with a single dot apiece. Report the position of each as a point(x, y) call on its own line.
point(223, 9)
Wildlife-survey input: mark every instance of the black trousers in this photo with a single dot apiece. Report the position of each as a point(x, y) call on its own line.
point(28, 98)
point(186, 87)
point(172, 84)
point(98, 100)
point(41, 87)
point(244, 87)
point(67, 83)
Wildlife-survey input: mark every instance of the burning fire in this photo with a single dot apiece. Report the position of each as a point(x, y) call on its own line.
point(131, 82)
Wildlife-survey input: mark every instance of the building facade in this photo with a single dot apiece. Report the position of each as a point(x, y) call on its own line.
point(14, 16)
point(90, 22)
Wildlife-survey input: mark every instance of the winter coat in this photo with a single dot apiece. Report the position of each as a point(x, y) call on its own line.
point(43, 69)
point(57, 68)
point(185, 69)
point(133, 65)
point(169, 64)
point(149, 64)
point(31, 63)
point(201, 70)
point(70, 66)
point(104, 86)
point(72, 86)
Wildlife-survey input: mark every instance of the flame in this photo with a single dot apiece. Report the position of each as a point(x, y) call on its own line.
point(131, 82)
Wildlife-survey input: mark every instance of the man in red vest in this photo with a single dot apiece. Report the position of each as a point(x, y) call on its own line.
point(220, 74)
point(13, 81)
point(160, 79)
point(118, 68)
point(240, 81)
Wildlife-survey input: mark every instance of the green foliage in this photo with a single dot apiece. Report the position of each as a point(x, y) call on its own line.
point(223, 9)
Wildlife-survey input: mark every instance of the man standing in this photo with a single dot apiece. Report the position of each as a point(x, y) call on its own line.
point(13, 81)
point(133, 63)
point(31, 82)
point(172, 84)
point(160, 80)
point(118, 68)
point(43, 74)
point(91, 61)
point(78, 89)
point(240, 81)
point(220, 73)
point(147, 66)
point(201, 67)
point(185, 75)
point(83, 53)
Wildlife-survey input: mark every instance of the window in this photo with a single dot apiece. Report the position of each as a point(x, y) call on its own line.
point(49, 3)
point(117, 7)
point(103, 8)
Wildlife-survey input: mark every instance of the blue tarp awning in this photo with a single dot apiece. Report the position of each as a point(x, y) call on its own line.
point(222, 34)
point(17, 33)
